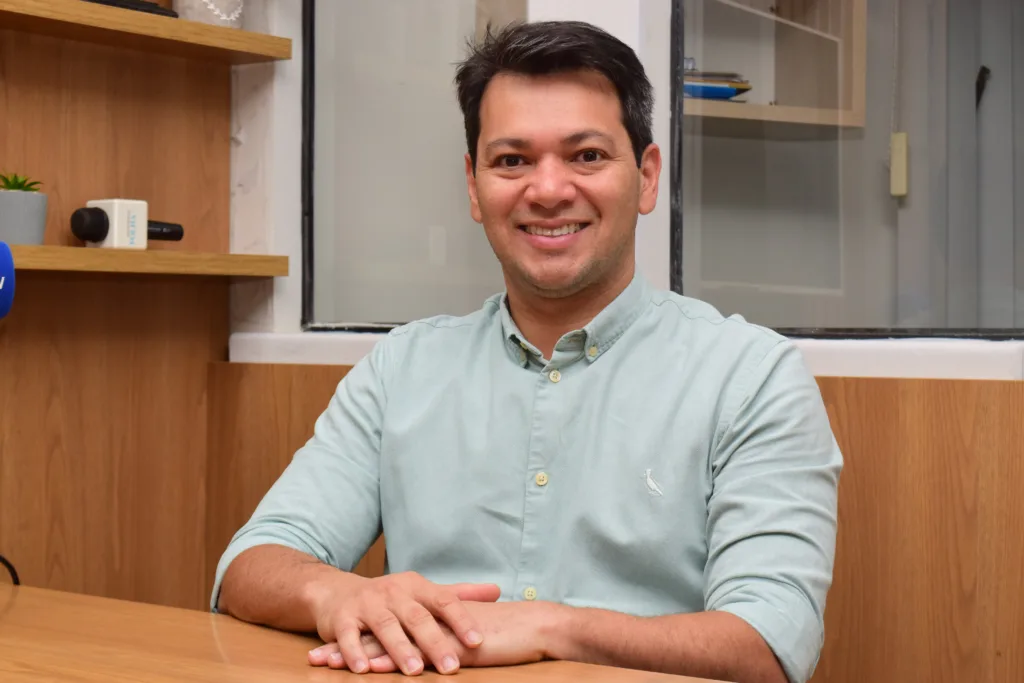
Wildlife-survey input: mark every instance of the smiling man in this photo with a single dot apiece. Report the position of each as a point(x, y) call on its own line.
point(586, 468)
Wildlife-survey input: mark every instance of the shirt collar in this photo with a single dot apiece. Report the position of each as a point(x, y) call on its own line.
point(595, 338)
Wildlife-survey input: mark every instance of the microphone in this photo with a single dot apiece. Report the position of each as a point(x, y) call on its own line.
point(120, 224)
point(6, 279)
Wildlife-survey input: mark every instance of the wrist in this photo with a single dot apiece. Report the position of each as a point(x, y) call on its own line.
point(559, 629)
point(325, 585)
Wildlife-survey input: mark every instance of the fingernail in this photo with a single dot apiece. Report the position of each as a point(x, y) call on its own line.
point(359, 666)
point(335, 658)
point(474, 638)
point(413, 663)
point(448, 664)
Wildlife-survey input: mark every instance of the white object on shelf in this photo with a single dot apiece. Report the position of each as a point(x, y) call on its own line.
point(217, 12)
point(128, 221)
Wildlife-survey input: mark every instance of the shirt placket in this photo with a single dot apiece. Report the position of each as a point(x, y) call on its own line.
point(545, 422)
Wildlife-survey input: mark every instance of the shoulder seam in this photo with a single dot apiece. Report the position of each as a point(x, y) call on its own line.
point(437, 324)
point(721, 321)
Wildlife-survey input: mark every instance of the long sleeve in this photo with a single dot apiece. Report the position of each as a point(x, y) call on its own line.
point(327, 501)
point(773, 510)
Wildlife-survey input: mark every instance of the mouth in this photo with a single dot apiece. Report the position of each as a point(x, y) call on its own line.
point(559, 231)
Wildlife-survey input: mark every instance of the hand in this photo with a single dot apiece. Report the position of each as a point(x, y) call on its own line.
point(398, 606)
point(514, 633)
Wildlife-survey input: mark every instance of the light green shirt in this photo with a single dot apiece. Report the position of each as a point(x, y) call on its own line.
point(664, 460)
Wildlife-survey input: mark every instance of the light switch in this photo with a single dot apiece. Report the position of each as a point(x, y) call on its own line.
point(898, 165)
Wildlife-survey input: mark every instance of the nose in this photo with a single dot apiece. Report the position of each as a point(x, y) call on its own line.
point(550, 183)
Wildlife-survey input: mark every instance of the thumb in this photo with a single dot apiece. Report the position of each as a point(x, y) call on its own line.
point(477, 592)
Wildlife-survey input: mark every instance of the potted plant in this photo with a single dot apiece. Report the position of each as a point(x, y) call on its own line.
point(22, 210)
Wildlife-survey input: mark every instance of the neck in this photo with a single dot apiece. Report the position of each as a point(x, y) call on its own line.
point(543, 320)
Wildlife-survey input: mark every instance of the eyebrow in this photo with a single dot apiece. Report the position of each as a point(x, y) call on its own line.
point(574, 139)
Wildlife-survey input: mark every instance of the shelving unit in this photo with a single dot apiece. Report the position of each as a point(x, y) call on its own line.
point(105, 355)
point(106, 25)
point(804, 59)
point(156, 38)
point(93, 260)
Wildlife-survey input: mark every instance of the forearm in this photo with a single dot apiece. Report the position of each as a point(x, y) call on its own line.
point(715, 645)
point(279, 587)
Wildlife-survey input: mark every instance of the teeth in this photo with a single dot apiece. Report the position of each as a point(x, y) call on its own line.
point(554, 232)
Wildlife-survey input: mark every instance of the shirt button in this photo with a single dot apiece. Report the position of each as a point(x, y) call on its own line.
point(554, 375)
point(592, 352)
point(541, 478)
point(530, 593)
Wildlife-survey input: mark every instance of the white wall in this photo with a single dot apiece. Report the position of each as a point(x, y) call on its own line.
point(266, 164)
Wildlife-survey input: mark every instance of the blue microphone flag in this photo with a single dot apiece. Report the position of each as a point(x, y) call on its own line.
point(6, 279)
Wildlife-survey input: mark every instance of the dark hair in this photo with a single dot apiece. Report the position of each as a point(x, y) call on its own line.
point(549, 47)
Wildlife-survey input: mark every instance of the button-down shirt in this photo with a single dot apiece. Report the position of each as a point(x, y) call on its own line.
point(665, 459)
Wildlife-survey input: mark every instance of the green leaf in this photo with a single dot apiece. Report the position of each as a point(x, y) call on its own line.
point(18, 182)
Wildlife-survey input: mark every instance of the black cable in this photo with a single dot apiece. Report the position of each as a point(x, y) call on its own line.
point(10, 568)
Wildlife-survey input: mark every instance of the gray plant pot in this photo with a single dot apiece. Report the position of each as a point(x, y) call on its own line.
point(22, 217)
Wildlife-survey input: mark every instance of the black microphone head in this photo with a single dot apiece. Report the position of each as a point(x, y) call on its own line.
point(90, 224)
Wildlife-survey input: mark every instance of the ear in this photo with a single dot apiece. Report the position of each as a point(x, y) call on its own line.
point(474, 202)
point(650, 172)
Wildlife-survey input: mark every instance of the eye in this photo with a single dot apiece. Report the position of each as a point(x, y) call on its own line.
point(508, 161)
point(589, 156)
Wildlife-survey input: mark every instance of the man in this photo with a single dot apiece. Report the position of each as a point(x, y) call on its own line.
point(584, 469)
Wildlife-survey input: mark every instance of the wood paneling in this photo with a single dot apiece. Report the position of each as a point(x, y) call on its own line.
point(103, 432)
point(97, 122)
point(928, 583)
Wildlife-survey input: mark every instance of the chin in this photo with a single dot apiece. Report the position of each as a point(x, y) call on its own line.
point(557, 286)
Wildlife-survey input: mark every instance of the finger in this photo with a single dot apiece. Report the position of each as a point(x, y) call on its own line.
point(428, 635)
point(386, 625)
point(383, 665)
point(336, 661)
point(372, 646)
point(448, 607)
point(318, 656)
point(351, 648)
point(476, 592)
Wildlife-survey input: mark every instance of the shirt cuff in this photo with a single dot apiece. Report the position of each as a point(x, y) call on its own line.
point(796, 640)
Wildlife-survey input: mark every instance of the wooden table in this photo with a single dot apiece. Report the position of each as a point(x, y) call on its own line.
point(55, 636)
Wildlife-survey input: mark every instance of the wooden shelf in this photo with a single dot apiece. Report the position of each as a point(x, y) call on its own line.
point(95, 260)
point(772, 114)
point(95, 23)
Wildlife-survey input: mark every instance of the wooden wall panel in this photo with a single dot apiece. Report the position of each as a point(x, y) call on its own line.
point(927, 584)
point(96, 122)
point(103, 432)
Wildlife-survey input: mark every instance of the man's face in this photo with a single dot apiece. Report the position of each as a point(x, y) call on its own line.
point(557, 187)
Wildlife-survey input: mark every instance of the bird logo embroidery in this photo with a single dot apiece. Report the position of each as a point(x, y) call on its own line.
point(652, 486)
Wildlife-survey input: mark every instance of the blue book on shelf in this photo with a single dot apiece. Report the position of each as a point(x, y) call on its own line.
point(711, 90)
